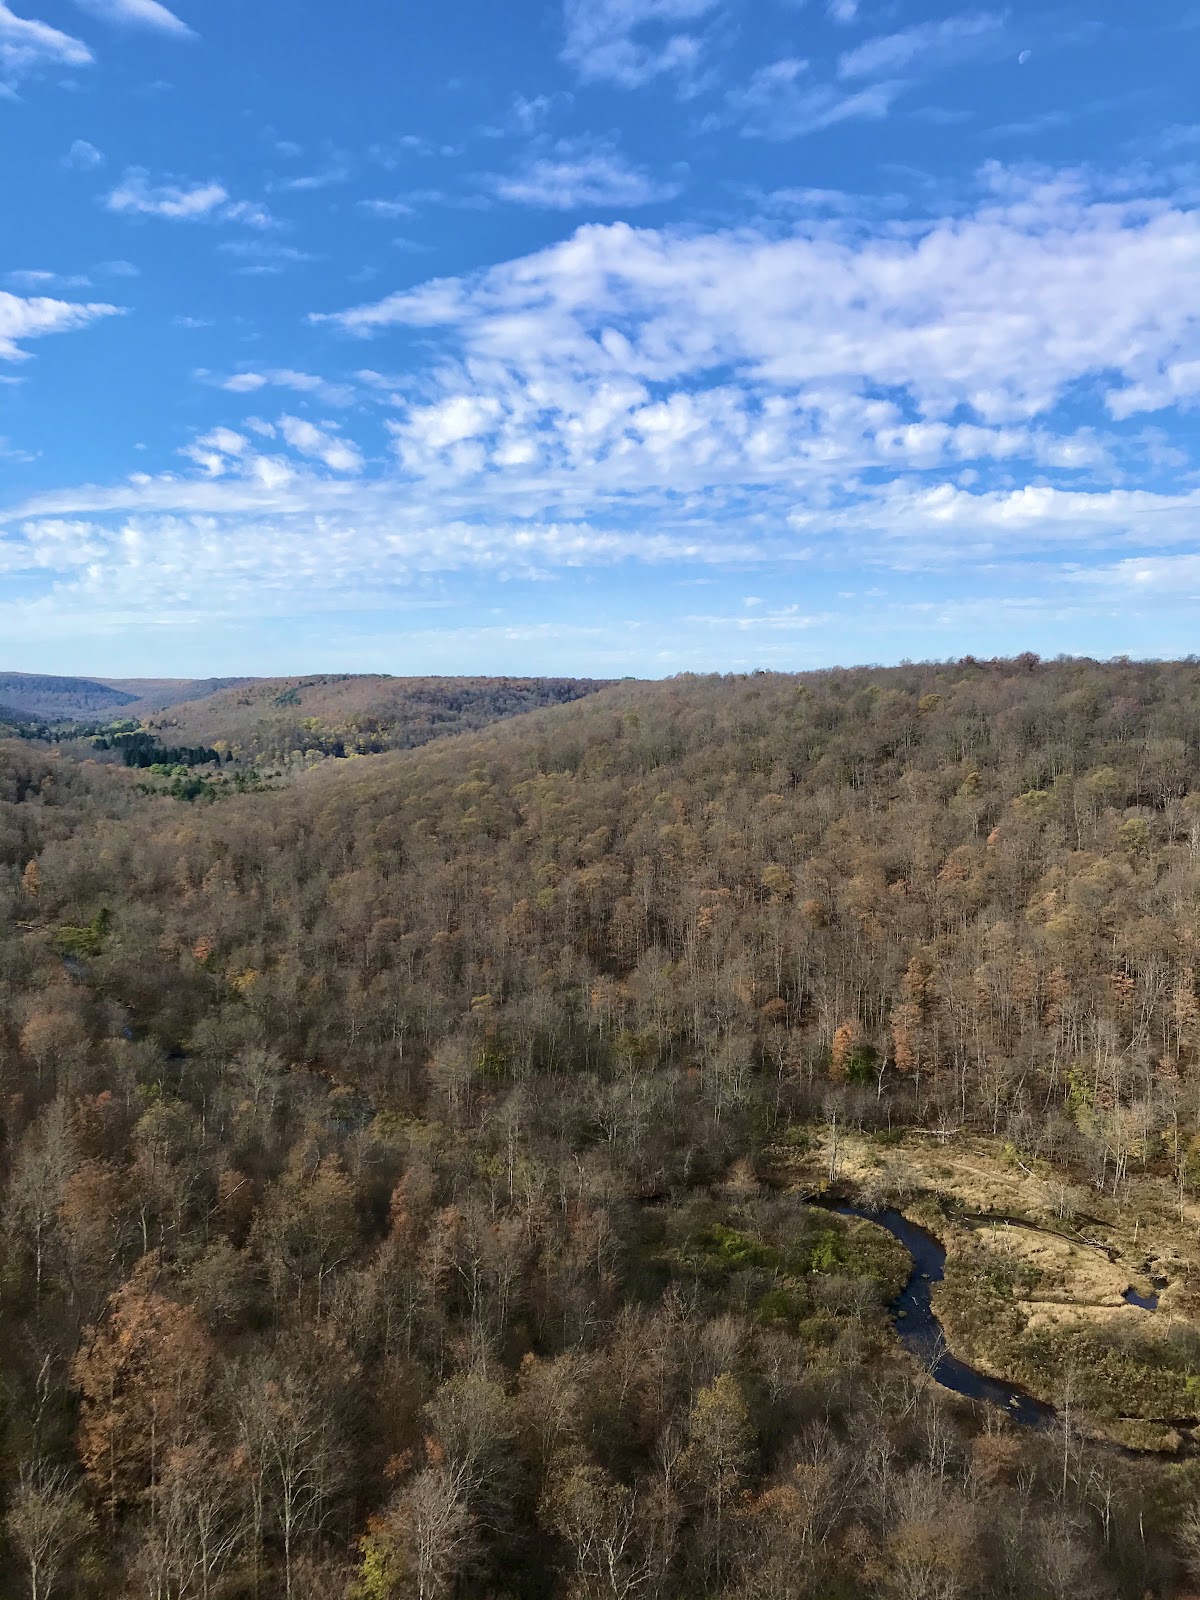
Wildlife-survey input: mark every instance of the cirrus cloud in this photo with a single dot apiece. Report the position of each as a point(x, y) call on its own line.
point(31, 318)
point(579, 177)
point(26, 45)
point(136, 196)
point(784, 101)
point(137, 14)
point(926, 45)
point(630, 42)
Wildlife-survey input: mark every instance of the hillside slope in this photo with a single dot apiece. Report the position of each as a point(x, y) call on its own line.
point(44, 697)
point(845, 822)
point(153, 695)
point(452, 1110)
point(272, 718)
point(38, 696)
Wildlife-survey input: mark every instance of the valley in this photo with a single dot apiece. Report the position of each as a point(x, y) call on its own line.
point(408, 1166)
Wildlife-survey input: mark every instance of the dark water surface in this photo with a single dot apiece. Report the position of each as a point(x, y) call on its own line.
point(921, 1332)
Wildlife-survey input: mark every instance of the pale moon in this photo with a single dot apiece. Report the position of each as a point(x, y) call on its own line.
point(1024, 57)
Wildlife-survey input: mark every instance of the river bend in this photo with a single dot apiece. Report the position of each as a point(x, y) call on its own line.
point(920, 1331)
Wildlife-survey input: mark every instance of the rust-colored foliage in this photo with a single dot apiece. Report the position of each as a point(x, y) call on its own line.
point(140, 1375)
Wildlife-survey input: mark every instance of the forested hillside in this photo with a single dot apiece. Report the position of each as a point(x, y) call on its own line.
point(35, 697)
point(156, 694)
point(273, 719)
point(404, 1169)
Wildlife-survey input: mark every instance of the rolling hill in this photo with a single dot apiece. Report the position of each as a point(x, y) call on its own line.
point(343, 714)
point(274, 719)
point(44, 698)
point(152, 695)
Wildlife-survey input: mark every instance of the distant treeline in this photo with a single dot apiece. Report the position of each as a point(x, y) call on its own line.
point(142, 749)
point(138, 748)
point(14, 725)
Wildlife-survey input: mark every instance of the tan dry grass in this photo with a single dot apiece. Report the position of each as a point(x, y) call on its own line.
point(977, 1176)
point(1071, 1286)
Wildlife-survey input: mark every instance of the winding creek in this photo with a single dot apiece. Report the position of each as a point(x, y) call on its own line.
point(919, 1329)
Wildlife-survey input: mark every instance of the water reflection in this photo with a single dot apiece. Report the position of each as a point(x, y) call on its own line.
point(920, 1331)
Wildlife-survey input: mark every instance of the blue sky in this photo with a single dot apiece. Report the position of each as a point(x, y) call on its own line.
point(596, 336)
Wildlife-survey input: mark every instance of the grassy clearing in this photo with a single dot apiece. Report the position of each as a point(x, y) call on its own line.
point(1036, 1296)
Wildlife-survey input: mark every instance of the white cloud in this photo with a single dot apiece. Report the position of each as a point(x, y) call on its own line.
point(250, 213)
point(245, 383)
point(1001, 311)
point(256, 534)
point(83, 157)
point(777, 378)
point(400, 151)
point(1164, 578)
point(264, 256)
point(260, 535)
point(327, 178)
point(337, 394)
point(843, 12)
point(942, 519)
point(337, 454)
point(917, 394)
point(1028, 127)
point(925, 46)
point(53, 544)
point(434, 304)
point(26, 45)
point(1174, 383)
point(783, 101)
point(38, 278)
point(226, 441)
point(528, 115)
point(136, 13)
point(783, 619)
point(388, 208)
point(134, 196)
point(606, 39)
point(462, 418)
point(174, 202)
point(581, 177)
point(224, 450)
point(215, 452)
point(22, 319)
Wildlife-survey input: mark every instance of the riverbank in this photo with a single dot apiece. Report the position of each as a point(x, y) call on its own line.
point(1042, 1280)
point(921, 1333)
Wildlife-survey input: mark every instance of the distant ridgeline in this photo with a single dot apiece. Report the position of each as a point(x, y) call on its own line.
point(29, 697)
